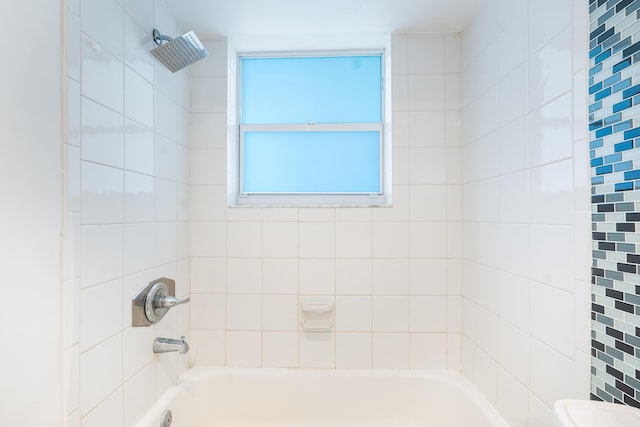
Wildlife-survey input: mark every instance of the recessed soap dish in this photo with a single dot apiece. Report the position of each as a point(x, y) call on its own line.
point(316, 316)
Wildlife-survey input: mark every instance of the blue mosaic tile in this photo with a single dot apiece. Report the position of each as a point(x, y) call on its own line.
point(606, 131)
point(628, 93)
point(623, 4)
point(597, 180)
point(606, 35)
point(632, 133)
point(632, 175)
point(623, 166)
point(603, 170)
point(623, 186)
point(620, 66)
point(622, 85)
point(623, 44)
point(595, 33)
point(611, 41)
point(620, 127)
point(596, 51)
point(604, 55)
point(604, 93)
point(631, 49)
point(623, 146)
point(606, 16)
point(621, 106)
point(595, 70)
point(613, 80)
point(595, 88)
point(596, 143)
point(633, 7)
point(595, 107)
point(599, 161)
point(612, 158)
point(595, 125)
point(612, 119)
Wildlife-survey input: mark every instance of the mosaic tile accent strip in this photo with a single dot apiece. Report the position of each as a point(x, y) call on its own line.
point(614, 124)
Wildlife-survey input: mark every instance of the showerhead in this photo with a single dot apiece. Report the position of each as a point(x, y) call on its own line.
point(179, 52)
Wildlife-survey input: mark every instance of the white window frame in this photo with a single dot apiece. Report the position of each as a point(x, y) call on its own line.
point(235, 147)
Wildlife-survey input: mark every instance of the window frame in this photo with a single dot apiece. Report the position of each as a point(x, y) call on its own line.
point(332, 199)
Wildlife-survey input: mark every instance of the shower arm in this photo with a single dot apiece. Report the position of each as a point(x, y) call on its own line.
point(159, 38)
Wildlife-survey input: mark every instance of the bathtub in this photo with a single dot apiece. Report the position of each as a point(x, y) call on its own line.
point(235, 397)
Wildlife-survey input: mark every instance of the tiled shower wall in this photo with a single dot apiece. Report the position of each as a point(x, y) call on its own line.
point(126, 207)
point(392, 273)
point(614, 84)
point(526, 206)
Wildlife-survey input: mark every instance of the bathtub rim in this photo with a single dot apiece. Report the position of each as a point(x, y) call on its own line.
point(196, 374)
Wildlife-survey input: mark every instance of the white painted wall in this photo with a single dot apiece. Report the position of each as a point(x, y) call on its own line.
point(31, 214)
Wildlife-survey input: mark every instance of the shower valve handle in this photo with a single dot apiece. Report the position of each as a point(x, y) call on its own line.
point(168, 301)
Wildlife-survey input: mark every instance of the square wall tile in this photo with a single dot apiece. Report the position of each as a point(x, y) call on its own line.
point(426, 54)
point(100, 313)
point(244, 239)
point(244, 275)
point(353, 350)
point(100, 373)
point(207, 348)
point(353, 314)
point(208, 311)
point(102, 75)
point(280, 276)
point(354, 239)
point(244, 312)
point(353, 276)
point(280, 349)
point(103, 21)
point(244, 348)
point(317, 276)
point(428, 277)
point(391, 277)
point(428, 314)
point(280, 312)
point(391, 240)
point(317, 240)
point(317, 350)
point(428, 351)
point(391, 314)
point(391, 351)
point(280, 239)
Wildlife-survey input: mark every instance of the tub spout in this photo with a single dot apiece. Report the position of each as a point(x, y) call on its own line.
point(166, 345)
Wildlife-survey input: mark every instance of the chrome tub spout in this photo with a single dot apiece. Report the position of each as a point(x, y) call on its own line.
point(167, 345)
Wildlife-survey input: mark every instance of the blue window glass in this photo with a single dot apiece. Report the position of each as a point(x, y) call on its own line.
point(311, 125)
point(311, 162)
point(333, 89)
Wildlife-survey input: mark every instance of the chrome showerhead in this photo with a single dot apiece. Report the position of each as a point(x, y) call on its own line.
point(179, 52)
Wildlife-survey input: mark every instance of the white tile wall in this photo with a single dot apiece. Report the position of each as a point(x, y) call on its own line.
point(524, 198)
point(127, 209)
point(385, 268)
point(454, 275)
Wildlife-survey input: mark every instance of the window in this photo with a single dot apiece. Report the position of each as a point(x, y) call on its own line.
point(311, 129)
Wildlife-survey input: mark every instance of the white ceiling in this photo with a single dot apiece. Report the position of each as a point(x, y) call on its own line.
point(230, 18)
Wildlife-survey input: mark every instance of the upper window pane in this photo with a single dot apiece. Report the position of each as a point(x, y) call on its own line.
point(331, 89)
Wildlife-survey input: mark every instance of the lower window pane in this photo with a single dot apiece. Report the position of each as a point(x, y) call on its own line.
point(311, 162)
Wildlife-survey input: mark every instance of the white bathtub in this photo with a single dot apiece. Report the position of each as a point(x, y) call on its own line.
point(230, 397)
